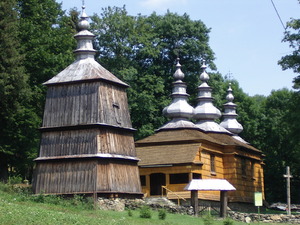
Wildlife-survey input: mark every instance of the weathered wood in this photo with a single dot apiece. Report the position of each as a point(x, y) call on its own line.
point(223, 204)
point(194, 201)
point(87, 142)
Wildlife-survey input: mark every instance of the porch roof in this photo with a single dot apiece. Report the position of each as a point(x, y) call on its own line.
point(209, 185)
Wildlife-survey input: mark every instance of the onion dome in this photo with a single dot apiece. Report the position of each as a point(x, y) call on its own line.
point(85, 67)
point(179, 110)
point(84, 38)
point(205, 111)
point(229, 121)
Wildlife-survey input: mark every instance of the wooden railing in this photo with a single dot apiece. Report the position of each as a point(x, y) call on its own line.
point(178, 197)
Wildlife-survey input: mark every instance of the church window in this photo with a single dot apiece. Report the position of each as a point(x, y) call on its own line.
point(244, 166)
point(179, 178)
point(212, 163)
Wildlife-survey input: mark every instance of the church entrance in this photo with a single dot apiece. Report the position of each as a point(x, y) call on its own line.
point(156, 181)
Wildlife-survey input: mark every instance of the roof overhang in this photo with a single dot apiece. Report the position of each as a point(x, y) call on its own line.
point(209, 185)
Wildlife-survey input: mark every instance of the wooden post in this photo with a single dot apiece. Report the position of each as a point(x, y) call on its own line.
point(194, 201)
point(223, 202)
point(288, 177)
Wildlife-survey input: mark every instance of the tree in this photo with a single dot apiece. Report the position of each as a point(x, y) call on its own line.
point(292, 61)
point(36, 42)
point(48, 43)
point(277, 145)
point(16, 116)
point(142, 50)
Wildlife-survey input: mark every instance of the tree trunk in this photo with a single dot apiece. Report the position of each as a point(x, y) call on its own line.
point(3, 168)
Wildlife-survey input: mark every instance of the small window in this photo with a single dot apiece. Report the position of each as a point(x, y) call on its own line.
point(197, 176)
point(179, 178)
point(212, 163)
point(253, 169)
point(243, 165)
point(116, 108)
point(143, 180)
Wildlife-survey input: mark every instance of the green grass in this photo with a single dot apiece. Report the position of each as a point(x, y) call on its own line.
point(20, 207)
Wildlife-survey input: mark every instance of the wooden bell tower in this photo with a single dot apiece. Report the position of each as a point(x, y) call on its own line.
point(87, 144)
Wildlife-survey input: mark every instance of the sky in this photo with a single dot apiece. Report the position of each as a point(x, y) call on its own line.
point(246, 35)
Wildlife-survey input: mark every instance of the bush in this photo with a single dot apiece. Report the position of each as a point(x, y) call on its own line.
point(228, 221)
point(145, 212)
point(15, 180)
point(208, 220)
point(162, 214)
point(130, 213)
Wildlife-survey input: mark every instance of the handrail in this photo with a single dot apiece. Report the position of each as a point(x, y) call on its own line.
point(167, 189)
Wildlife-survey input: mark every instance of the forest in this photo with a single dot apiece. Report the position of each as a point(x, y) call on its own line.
point(36, 43)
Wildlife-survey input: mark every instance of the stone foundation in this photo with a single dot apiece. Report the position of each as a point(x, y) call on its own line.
point(266, 218)
point(118, 204)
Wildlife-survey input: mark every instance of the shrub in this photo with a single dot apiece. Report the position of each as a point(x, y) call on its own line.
point(15, 180)
point(130, 213)
point(162, 214)
point(208, 220)
point(228, 221)
point(145, 212)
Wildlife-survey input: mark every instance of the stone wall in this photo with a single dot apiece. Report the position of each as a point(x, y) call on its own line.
point(119, 204)
point(266, 218)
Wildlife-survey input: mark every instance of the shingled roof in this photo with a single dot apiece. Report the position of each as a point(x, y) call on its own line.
point(167, 154)
point(180, 146)
point(230, 140)
point(179, 135)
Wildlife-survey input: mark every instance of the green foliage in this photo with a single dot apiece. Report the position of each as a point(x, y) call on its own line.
point(130, 212)
point(141, 50)
point(145, 212)
point(228, 221)
point(36, 42)
point(17, 118)
point(162, 214)
point(15, 180)
point(208, 220)
point(292, 61)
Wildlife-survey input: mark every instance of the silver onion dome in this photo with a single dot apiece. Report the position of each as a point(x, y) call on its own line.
point(84, 38)
point(205, 111)
point(229, 121)
point(179, 110)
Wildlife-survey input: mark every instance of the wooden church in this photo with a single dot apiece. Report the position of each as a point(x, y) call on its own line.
point(87, 144)
point(181, 151)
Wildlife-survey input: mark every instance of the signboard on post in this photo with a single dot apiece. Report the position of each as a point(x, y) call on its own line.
point(258, 201)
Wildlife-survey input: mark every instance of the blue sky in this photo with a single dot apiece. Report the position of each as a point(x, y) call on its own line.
point(246, 35)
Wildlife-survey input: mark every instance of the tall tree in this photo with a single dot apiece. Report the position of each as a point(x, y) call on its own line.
point(47, 41)
point(292, 61)
point(142, 50)
point(16, 117)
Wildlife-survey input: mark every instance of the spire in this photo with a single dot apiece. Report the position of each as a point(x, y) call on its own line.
point(84, 38)
point(179, 110)
point(229, 116)
point(206, 112)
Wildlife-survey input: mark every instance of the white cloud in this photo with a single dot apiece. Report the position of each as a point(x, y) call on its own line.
point(161, 4)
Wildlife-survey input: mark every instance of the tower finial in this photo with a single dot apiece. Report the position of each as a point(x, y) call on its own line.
point(205, 111)
point(84, 37)
point(229, 116)
point(179, 110)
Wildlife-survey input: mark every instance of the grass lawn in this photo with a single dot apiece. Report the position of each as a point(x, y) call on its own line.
point(20, 208)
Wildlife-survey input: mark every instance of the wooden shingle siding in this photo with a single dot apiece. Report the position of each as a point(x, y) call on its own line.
point(118, 177)
point(65, 177)
point(63, 143)
point(86, 103)
point(116, 142)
